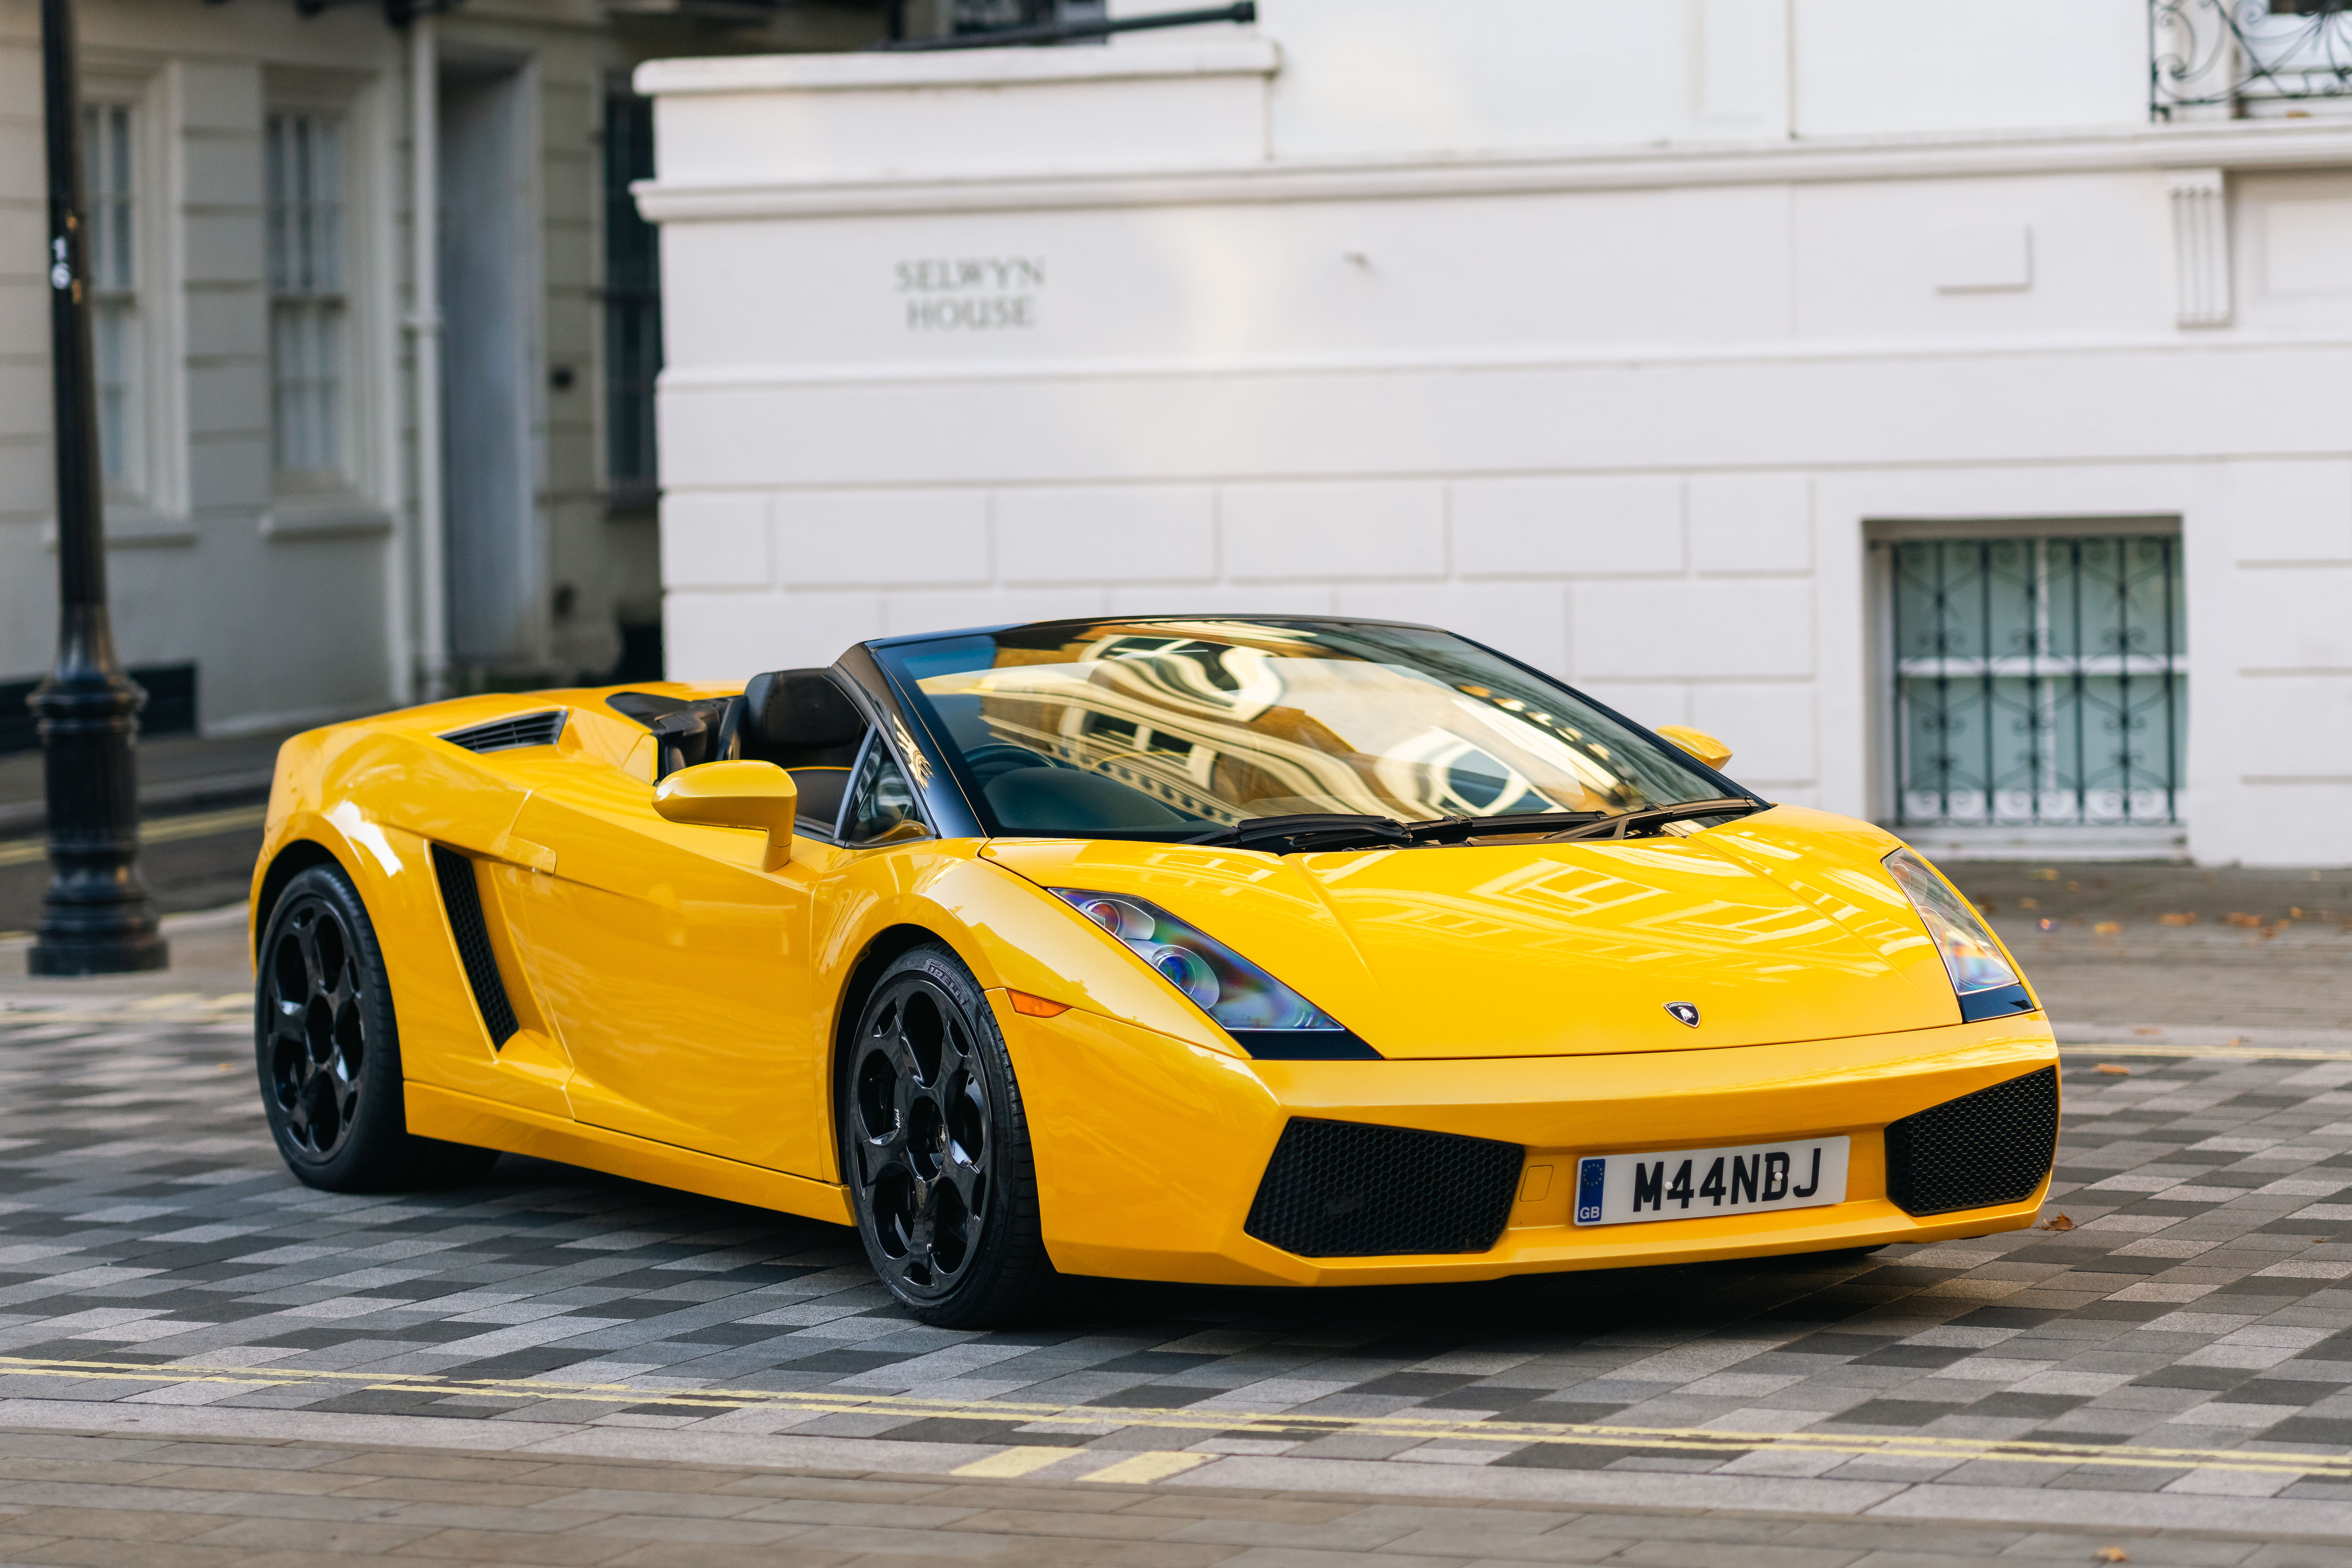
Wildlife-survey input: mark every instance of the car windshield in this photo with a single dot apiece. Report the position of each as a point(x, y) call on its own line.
point(1173, 729)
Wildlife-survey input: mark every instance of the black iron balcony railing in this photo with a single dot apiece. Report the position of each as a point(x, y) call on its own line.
point(2250, 57)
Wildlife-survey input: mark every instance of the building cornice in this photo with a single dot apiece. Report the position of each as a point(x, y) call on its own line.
point(884, 72)
point(2237, 145)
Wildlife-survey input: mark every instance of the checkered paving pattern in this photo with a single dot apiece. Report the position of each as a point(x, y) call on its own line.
point(149, 1502)
point(2196, 1314)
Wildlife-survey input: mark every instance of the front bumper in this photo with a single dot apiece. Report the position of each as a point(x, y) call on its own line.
point(1150, 1150)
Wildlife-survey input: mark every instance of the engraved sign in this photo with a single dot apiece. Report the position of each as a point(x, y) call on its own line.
point(971, 293)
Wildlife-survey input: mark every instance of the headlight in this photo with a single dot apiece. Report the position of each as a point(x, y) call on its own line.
point(1986, 986)
point(1267, 1017)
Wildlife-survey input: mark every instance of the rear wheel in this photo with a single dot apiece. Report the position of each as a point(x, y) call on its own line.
point(328, 1050)
point(935, 1147)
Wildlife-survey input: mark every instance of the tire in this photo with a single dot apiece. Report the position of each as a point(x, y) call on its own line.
point(935, 1148)
point(326, 1050)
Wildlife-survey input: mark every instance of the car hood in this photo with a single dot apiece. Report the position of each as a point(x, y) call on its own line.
point(1782, 926)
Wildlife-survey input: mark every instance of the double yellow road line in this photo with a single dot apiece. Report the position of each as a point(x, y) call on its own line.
point(158, 830)
point(1019, 1459)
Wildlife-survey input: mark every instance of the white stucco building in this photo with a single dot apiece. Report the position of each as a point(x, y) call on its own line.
point(1887, 387)
point(283, 546)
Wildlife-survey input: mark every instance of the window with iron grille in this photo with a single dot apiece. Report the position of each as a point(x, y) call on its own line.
point(112, 264)
point(2038, 681)
point(305, 160)
point(633, 338)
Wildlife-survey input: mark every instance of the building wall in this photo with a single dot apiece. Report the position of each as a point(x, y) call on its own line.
point(1369, 311)
point(299, 603)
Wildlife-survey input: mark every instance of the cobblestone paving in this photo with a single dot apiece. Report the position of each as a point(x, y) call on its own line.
point(81, 1499)
point(2187, 1343)
point(2256, 954)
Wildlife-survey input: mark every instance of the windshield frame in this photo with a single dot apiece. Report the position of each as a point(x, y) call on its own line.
point(881, 666)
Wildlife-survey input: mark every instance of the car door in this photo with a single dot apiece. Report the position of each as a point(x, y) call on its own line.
point(676, 972)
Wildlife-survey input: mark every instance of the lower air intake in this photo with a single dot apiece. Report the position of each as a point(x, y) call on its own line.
point(1990, 1147)
point(1342, 1189)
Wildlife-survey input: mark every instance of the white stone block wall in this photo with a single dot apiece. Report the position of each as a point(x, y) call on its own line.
point(1624, 401)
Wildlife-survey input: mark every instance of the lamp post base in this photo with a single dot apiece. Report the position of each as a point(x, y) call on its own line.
point(110, 954)
point(96, 918)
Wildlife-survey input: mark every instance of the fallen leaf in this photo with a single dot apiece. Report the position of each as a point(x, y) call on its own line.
point(1987, 906)
point(2049, 925)
point(2109, 928)
point(2148, 1029)
point(2115, 1069)
point(2058, 1222)
point(2295, 911)
point(2236, 918)
point(2048, 874)
point(2029, 903)
point(2187, 919)
point(2112, 1555)
point(2073, 886)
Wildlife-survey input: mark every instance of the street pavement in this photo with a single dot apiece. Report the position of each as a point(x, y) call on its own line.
point(201, 803)
point(199, 1358)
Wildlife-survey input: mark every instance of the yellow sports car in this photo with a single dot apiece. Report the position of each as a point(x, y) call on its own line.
point(1232, 950)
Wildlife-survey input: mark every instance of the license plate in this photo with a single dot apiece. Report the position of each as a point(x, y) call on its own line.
point(1687, 1183)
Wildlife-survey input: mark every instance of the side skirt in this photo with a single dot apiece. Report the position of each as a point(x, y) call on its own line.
point(458, 1118)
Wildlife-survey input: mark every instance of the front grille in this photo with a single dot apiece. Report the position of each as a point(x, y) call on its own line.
point(463, 900)
point(507, 734)
point(1990, 1147)
point(1342, 1189)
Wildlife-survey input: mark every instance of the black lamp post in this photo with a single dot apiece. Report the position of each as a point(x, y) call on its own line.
point(97, 919)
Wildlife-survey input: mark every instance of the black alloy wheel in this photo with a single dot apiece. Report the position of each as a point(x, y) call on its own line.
point(315, 1031)
point(328, 1050)
point(936, 1150)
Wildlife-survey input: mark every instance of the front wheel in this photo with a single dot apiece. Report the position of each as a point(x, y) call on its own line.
point(328, 1050)
point(935, 1148)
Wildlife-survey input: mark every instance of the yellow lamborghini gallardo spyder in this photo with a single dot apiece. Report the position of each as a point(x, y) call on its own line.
point(1232, 950)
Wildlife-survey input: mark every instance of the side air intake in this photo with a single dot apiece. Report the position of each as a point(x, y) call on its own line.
point(1990, 1147)
point(507, 734)
point(1343, 1189)
point(463, 900)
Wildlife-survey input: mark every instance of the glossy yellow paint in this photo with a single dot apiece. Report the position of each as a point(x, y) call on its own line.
point(679, 986)
point(758, 796)
point(1118, 1117)
point(1697, 742)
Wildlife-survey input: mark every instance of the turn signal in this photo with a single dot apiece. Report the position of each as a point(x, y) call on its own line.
point(1036, 1006)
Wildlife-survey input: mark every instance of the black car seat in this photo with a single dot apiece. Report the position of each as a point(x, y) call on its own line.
point(801, 720)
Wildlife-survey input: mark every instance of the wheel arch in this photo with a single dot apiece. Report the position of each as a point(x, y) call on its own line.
point(884, 948)
point(291, 861)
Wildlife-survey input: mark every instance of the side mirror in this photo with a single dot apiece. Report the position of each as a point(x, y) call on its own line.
point(734, 794)
point(1699, 743)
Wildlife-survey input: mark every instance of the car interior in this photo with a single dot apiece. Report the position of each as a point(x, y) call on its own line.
point(797, 719)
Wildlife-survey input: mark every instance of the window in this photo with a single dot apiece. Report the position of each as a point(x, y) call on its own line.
point(112, 266)
point(1175, 729)
point(306, 306)
point(2039, 681)
point(881, 805)
point(633, 342)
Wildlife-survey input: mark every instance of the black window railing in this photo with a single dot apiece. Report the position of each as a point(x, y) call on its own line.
point(2247, 58)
